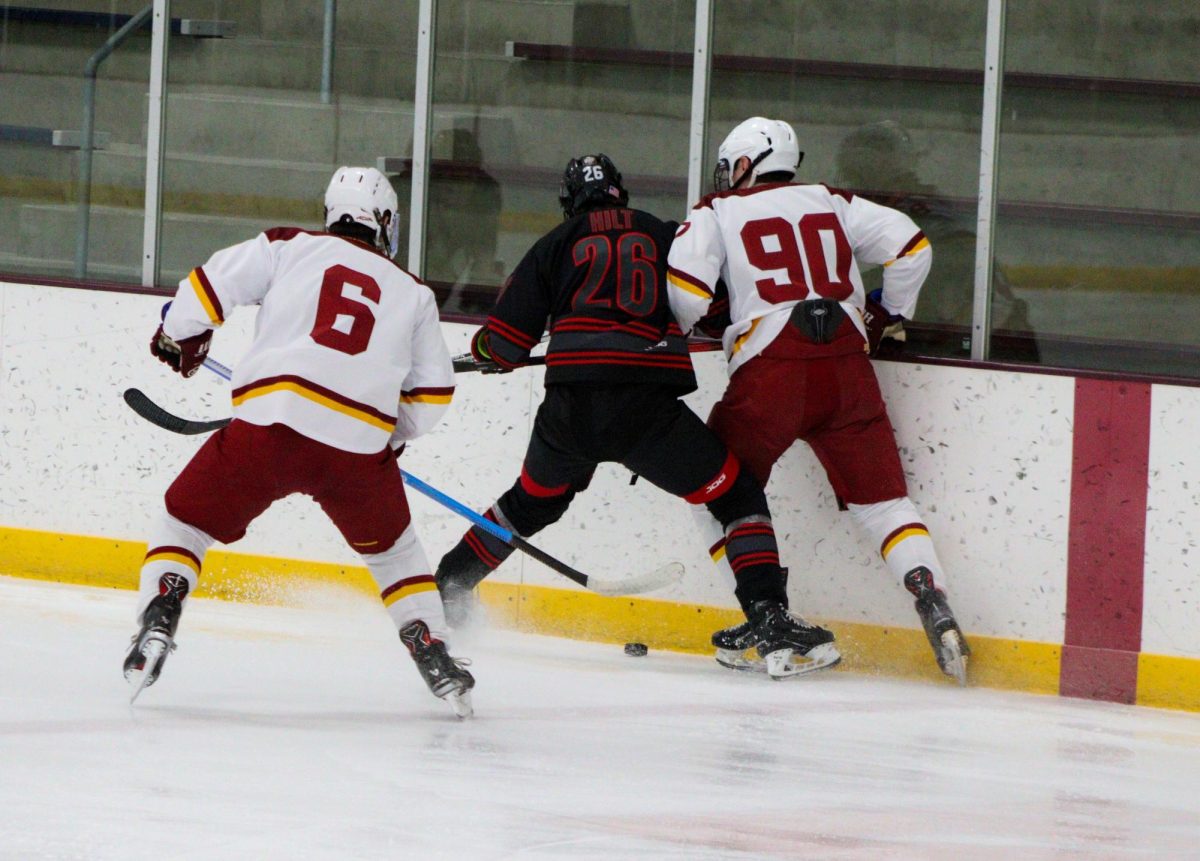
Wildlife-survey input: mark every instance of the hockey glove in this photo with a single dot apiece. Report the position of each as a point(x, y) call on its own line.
point(479, 346)
point(482, 354)
point(880, 324)
point(185, 357)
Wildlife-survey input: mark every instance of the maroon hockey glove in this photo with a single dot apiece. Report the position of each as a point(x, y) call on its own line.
point(880, 324)
point(185, 357)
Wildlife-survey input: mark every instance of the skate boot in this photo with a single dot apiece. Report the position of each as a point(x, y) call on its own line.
point(459, 572)
point(733, 648)
point(150, 646)
point(446, 676)
point(949, 645)
point(789, 645)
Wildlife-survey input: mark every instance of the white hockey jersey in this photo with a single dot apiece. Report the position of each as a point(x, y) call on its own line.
point(347, 350)
point(779, 244)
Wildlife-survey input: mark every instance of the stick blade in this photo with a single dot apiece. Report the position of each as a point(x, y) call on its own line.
point(650, 581)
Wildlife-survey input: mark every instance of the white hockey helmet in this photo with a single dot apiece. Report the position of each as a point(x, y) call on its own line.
point(769, 144)
point(365, 195)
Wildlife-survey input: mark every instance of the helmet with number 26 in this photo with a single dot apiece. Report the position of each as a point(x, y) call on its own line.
point(364, 195)
point(588, 182)
point(770, 146)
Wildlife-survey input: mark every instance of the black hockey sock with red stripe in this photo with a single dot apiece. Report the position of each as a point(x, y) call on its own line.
point(753, 553)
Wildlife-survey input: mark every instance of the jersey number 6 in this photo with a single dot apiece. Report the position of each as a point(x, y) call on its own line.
point(771, 245)
point(335, 305)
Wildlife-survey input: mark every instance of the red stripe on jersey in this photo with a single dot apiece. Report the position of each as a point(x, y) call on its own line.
point(717, 486)
point(910, 244)
point(207, 287)
point(521, 339)
point(681, 363)
point(428, 390)
point(691, 279)
point(313, 387)
point(540, 490)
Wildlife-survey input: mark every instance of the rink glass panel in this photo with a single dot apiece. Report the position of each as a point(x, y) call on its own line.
point(520, 88)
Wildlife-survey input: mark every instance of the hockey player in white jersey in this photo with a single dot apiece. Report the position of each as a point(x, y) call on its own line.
point(797, 332)
point(347, 364)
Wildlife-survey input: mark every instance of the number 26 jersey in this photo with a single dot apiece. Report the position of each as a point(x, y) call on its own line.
point(779, 244)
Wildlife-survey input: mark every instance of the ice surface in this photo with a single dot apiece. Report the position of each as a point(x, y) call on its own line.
point(305, 733)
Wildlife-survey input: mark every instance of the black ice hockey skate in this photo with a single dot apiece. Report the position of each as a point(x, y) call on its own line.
point(733, 646)
point(447, 677)
point(788, 645)
point(457, 575)
point(949, 644)
point(150, 646)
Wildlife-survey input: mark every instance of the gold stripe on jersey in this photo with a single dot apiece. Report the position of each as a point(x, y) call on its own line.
point(920, 246)
point(427, 396)
point(208, 299)
point(187, 561)
point(688, 286)
point(297, 388)
point(741, 339)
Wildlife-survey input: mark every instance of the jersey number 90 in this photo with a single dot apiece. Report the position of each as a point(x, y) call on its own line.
point(771, 245)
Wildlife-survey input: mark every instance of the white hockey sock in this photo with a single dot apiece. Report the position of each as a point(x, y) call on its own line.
point(174, 547)
point(406, 584)
point(901, 537)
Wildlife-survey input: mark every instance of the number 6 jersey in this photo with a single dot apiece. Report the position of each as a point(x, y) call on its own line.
point(779, 244)
point(347, 348)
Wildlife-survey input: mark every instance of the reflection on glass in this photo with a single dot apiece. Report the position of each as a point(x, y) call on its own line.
point(521, 87)
point(880, 161)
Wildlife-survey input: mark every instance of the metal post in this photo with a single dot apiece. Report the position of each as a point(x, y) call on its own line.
point(156, 122)
point(701, 76)
point(422, 120)
point(87, 133)
point(989, 159)
point(327, 51)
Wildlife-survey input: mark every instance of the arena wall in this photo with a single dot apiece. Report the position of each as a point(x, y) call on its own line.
point(1063, 507)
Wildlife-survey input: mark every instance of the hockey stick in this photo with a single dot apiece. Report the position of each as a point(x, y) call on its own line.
point(465, 362)
point(648, 582)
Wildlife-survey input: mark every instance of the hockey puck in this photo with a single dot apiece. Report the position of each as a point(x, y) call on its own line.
point(637, 650)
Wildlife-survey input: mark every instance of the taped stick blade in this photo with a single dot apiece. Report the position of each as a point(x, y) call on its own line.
point(650, 581)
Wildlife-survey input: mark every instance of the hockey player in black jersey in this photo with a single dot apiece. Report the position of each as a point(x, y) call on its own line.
point(617, 365)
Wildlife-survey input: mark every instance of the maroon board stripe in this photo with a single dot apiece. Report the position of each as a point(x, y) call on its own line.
point(1106, 548)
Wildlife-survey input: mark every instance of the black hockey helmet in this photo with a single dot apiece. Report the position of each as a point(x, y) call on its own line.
point(588, 182)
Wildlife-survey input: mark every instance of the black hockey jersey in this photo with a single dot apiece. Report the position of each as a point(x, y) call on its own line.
point(598, 282)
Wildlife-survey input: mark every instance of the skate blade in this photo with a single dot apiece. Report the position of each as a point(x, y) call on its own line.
point(152, 652)
point(460, 701)
point(785, 664)
point(954, 658)
point(741, 661)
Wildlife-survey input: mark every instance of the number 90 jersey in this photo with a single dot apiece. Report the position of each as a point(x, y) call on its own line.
point(780, 244)
point(347, 348)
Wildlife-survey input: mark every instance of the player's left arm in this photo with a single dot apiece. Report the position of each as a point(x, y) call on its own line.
point(694, 267)
point(426, 392)
point(880, 235)
point(517, 321)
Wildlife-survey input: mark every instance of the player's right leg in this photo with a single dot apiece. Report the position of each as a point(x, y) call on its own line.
point(682, 456)
point(224, 487)
point(364, 496)
point(551, 475)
